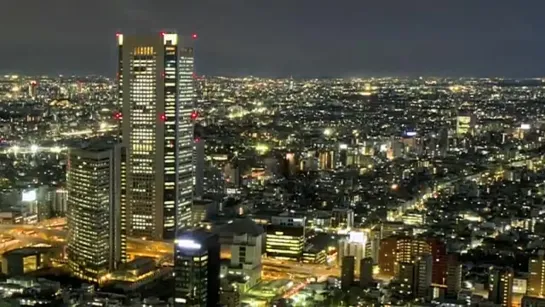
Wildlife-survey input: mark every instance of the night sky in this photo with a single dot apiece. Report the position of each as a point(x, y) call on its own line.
point(279, 38)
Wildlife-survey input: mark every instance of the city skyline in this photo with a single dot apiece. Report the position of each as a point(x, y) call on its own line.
point(280, 39)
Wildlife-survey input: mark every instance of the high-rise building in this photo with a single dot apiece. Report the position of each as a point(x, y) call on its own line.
point(96, 224)
point(454, 276)
point(465, 123)
point(536, 280)
point(415, 277)
point(156, 96)
point(438, 250)
point(395, 250)
point(348, 266)
point(423, 275)
point(406, 278)
point(366, 272)
point(196, 269)
point(501, 286)
point(246, 251)
point(59, 202)
point(353, 245)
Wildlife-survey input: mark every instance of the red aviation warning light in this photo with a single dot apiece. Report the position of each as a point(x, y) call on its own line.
point(194, 115)
point(197, 140)
point(118, 115)
point(163, 117)
point(194, 36)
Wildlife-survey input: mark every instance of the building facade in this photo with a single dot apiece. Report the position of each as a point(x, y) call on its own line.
point(96, 224)
point(156, 97)
point(197, 269)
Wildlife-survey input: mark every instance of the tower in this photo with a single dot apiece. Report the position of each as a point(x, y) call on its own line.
point(196, 269)
point(96, 237)
point(156, 96)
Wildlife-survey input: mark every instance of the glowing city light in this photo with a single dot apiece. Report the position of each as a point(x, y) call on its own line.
point(194, 115)
point(188, 244)
point(34, 148)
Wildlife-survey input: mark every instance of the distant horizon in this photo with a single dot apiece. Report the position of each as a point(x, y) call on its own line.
point(295, 77)
point(304, 38)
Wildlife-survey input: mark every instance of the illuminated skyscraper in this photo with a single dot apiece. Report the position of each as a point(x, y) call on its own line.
point(96, 225)
point(197, 269)
point(156, 95)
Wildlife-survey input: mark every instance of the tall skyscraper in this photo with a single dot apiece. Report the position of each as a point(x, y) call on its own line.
point(156, 96)
point(197, 269)
point(96, 230)
point(536, 280)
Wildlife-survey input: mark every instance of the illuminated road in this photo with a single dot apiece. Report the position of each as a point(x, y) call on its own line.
point(52, 232)
point(396, 213)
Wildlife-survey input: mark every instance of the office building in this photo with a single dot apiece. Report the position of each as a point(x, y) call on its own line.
point(347, 272)
point(96, 224)
point(366, 272)
point(501, 286)
point(196, 269)
point(465, 123)
point(156, 95)
point(246, 252)
point(286, 237)
point(536, 279)
point(24, 260)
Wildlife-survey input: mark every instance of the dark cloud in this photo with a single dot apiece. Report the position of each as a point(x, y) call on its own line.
point(285, 37)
